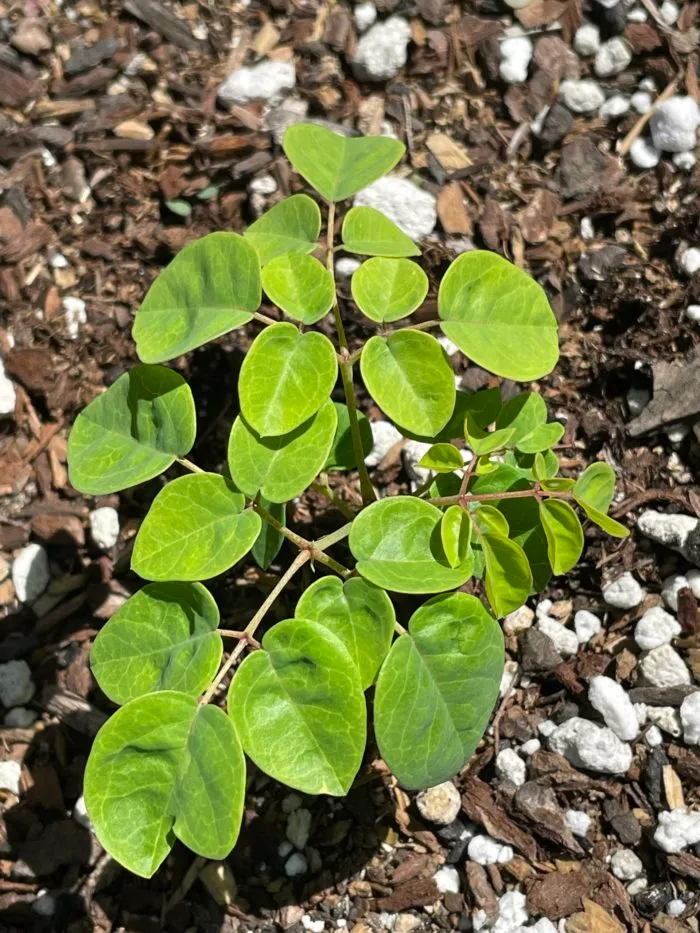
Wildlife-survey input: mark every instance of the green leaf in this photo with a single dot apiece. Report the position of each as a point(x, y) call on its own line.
point(442, 458)
point(281, 467)
point(397, 545)
point(609, 525)
point(211, 287)
point(490, 520)
point(558, 484)
point(542, 438)
point(196, 529)
point(410, 378)
point(163, 638)
point(339, 166)
point(387, 290)
point(180, 207)
point(498, 316)
point(525, 464)
point(269, 541)
point(300, 285)
point(208, 193)
point(483, 406)
point(132, 432)
point(299, 709)
point(165, 768)
point(285, 378)
point(360, 614)
point(456, 534)
point(367, 231)
point(291, 226)
point(564, 534)
point(504, 478)
point(342, 455)
point(526, 416)
point(595, 487)
point(508, 575)
point(436, 690)
point(485, 442)
point(523, 516)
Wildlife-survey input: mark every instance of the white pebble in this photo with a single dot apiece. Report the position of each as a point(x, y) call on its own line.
point(411, 208)
point(693, 312)
point(104, 527)
point(264, 81)
point(80, 814)
point(20, 718)
point(365, 16)
point(346, 266)
point(530, 747)
point(291, 802)
point(626, 865)
point(637, 15)
point(44, 905)
point(671, 588)
point(623, 593)
point(75, 315)
point(413, 452)
point(581, 95)
point(511, 767)
point(565, 641)
point(10, 776)
point(518, 621)
point(543, 925)
point(487, 851)
point(641, 102)
point(643, 153)
point(675, 907)
point(612, 57)
point(263, 184)
point(542, 608)
point(30, 573)
point(299, 827)
point(516, 54)
point(653, 737)
point(608, 4)
point(578, 821)
point(688, 260)
point(295, 865)
point(666, 718)
point(669, 12)
point(384, 437)
point(512, 913)
point(447, 880)
point(8, 395)
point(382, 51)
point(615, 106)
point(656, 627)
point(690, 718)
point(613, 704)
point(674, 124)
point(587, 745)
point(440, 804)
point(546, 728)
point(586, 625)
point(664, 667)
point(677, 829)
point(16, 684)
point(587, 39)
point(313, 926)
point(284, 848)
point(685, 161)
point(586, 229)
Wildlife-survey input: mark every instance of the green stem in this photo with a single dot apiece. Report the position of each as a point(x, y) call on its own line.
point(333, 538)
point(264, 319)
point(304, 545)
point(487, 496)
point(188, 465)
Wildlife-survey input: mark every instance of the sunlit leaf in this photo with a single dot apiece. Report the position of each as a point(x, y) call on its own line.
point(386, 290)
point(442, 458)
point(485, 442)
point(508, 575)
point(564, 534)
point(300, 285)
point(456, 533)
point(367, 231)
point(595, 487)
point(291, 226)
point(609, 525)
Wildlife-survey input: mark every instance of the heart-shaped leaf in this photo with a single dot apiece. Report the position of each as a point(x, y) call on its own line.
point(291, 226)
point(367, 231)
point(195, 529)
point(210, 287)
point(442, 458)
point(165, 768)
point(397, 545)
point(410, 378)
point(281, 467)
point(387, 290)
point(269, 541)
point(456, 535)
point(285, 378)
point(437, 688)
point(299, 709)
point(339, 166)
point(163, 638)
point(498, 316)
point(300, 285)
point(342, 455)
point(595, 487)
point(132, 432)
point(564, 534)
point(508, 575)
point(360, 614)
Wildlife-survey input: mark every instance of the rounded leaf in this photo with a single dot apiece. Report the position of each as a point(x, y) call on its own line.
point(285, 378)
point(526, 416)
point(387, 290)
point(291, 226)
point(367, 231)
point(609, 525)
point(442, 458)
point(456, 534)
point(163, 638)
point(299, 709)
point(195, 529)
point(564, 534)
point(595, 487)
point(164, 767)
point(498, 316)
point(281, 467)
point(342, 455)
point(410, 378)
point(210, 287)
point(300, 285)
point(508, 576)
point(436, 690)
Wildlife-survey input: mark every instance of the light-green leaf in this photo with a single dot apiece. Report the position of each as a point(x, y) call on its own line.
point(508, 576)
point(360, 614)
point(269, 541)
point(437, 688)
point(163, 638)
point(342, 455)
point(292, 226)
point(367, 231)
point(456, 535)
point(595, 487)
point(132, 432)
point(164, 767)
point(526, 416)
point(300, 285)
point(524, 521)
point(285, 378)
point(498, 316)
point(442, 458)
point(210, 287)
point(339, 166)
point(397, 545)
point(195, 529)
point(609, 525)
point(281, 467)
point(386, 290)
point(564, 534)
point(485, 442)
point(299, 708)
point(410, 378)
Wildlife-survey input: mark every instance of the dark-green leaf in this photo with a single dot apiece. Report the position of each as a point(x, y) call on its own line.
point(292, 226)
point(269, 541)
point(342, 455)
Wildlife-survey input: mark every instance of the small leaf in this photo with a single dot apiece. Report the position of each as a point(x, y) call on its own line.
point(269, 542)
point(442, 458)
point(299, 709)
point(180, 207)
point(456, 534)
point(526, 415)
point(291, 226)
point(164, 767)
point(525, 464)
point(367, 231)
point(490, 520)
point(484, 406)
point(508, 575)
point(342, 455)
point(208, 193)
point(542, 438)
point(595, 487)
point(410, 378)
point(132, 432)
point(485, 442)
point(163, 638)
point(436, 690)
point(360, 614)
point(504, 478)
point(195, 529)
point(526, 530)
point(498, 316)
point(397, 545)
point(300, 285)
point(285, 378)
point(558, 484)
point(564, 534)
point(609, 525)
point(386, 290)
point(339, 166)
point(281, 467)
point(211, 287)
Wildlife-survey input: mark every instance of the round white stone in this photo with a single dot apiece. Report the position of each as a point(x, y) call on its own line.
point(384, 437)
point(688, 260)
point(80, 814)
point(10, 776)
point(587, 745)
point(586, 625)
point(440, 804)
point(30, 573)
point(411, 208)
point(674, 124)
point(685, 161)
point(626, 865)
point(382, 51)
point(530, 747)
point(612, 57)
point(365, 16)
point(104, 527)
point(664, 667)
point(578, 821)
point(447, 880)
point(264, 81)
point(623, 592)
point(677, 829)
point(565, 641)
point(641, 102)
point(516, 54)
point(295, 865)
point(672, 530)
point(487, 851)
point(656, 627)
point(653, 737)
point(690, 718)
point(8, 395)
point(613, 704)
point(675, 907)
point(511, 767)
point(587, 39)
point(581, 95)
point(615, 106)
point(643, 153)
point(693, 312)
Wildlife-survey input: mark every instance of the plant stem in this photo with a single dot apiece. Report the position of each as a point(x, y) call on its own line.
point(486, 496)
point(298, 562)
point(188, 465)
point(329, 540)
point(341, 506)
point(263, 318)
point(426, 325)
point(471, 466)
point(399, 629)
point(304, 545)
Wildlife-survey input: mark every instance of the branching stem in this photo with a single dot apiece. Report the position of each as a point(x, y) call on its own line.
point(465, 499)
point(315, 552)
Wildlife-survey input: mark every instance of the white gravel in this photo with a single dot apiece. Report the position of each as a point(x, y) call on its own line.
point(295, 865)
point(688, 260)
point(30, 573)
point(672, 530)
point(365, 16)
point(656, 627)
point(586, 625)
point(643, 153)
point(589, 746)
point(669, 12)
point(581, 95)
point(626, 865)
point(578, 821)
point(587, 40)
point(411, 208)
point(690, 718)
point(612, 57)
point(384, 436)
point(487, 851)
point(511, 767)
point(641, 101)
point(382, 51)
point(653, 737)
point(530, 747)
point(80, 814)
point(623, 593)
point(104, 527)
point(265, 81)
point(447, 880)
point(299, 827)
point(610, 699)
point(75, 315)
point(664, 667)
point(346, 266)
point(440, 804)
point(516, 54)
point(674, 124)
point(8, 395)
point(518, 621)
point(565, 641)
point(677, 829)
point(665, 718)
point(16, 684)
point(615, 106)
point(674, 584)
point(10, 776)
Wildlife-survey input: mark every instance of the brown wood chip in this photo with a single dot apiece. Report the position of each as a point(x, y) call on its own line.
point(416, 893)
point(480, 805)
point(452, 210)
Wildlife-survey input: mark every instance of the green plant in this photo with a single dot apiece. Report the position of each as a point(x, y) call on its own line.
point(170, 764)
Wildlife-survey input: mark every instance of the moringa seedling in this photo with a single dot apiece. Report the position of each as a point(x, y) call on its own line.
point(170, 763)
